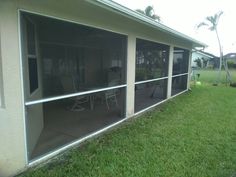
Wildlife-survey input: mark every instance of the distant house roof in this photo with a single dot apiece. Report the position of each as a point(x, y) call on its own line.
point(231, 56)
point(206, 54)
point(113, 6)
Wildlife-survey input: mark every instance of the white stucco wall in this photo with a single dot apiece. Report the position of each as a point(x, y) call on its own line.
point(13, 151)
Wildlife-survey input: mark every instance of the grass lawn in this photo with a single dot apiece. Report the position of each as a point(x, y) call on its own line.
point(211, 75)
point(193, 135)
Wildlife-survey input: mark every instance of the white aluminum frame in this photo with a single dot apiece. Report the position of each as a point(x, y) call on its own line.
point(182, 74)
point(179, 93)
point(44, 100)
point(65, 147)
point(70, 21)
point(153, 80)
point(24, 103)
point(149, 107)
point(150, 80)
point(152, 106)
point(177, 75)
point(22, 87)
point(62, 148)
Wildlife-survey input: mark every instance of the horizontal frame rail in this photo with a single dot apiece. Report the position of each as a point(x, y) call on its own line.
point(180, 75)
point(72, 95)
point(150, 80)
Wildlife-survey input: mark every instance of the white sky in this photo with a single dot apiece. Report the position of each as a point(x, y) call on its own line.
point(184, 15)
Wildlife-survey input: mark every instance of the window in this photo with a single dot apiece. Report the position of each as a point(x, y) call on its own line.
point(151, 73)
point(33, 74)
point(180, 70)
point(93, 58)
point(32, 56)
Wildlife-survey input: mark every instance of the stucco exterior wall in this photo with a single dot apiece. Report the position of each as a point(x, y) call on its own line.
point(12, 149)
point(13, 158)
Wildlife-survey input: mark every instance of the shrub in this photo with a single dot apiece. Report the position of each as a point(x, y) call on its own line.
point(231, 64)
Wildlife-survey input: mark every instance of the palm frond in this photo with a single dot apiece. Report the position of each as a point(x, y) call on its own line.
point(212, 28)
point(202, 24)
point(211, 19)
point(149, 11)
point(218, 15)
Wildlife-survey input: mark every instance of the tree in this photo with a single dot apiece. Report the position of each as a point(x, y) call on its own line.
point(149, 11)
point(204, 62)
point(198, 62)
point(212, 23)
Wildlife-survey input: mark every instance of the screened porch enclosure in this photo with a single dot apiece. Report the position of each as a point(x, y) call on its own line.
point(152, 61)
point(62, 125)
point(180, 71)
point(75, 81)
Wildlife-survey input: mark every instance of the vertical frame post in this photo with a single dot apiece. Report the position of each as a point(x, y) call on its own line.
point(130, 89)
point(170, 71)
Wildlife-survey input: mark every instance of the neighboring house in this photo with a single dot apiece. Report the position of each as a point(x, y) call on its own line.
point(70, 70)
point(230, 57)
point(231, 60)
point(202, 59)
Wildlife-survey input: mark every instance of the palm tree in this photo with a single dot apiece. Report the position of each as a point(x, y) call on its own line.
point(212, 23)
point(149, 11)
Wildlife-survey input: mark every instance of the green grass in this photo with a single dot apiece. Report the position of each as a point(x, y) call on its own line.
point(193, 135)
point(210, 76)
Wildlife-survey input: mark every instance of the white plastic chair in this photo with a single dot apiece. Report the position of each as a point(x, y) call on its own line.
point(69, 86)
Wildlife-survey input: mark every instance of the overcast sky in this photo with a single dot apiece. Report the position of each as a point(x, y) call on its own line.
point(184, 15)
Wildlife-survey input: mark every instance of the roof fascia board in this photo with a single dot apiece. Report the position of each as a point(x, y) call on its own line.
point(201, 53)
point(144, 19)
